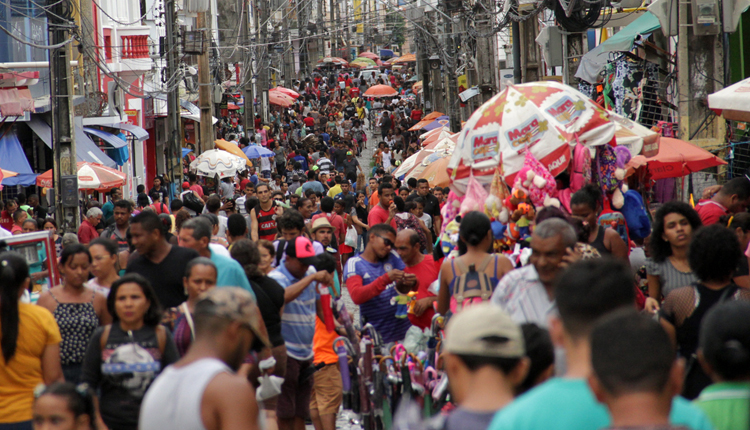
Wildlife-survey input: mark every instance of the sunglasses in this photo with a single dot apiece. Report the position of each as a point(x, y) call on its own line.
point(386, 241)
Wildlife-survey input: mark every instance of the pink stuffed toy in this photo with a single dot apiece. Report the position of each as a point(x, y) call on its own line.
point(537, 182)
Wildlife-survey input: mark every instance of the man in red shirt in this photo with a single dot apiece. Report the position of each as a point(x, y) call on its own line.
point(385, 210)
point(354, 92)
point(309, 120)
point(87, 231)
point(416, 114)
point(423, 268)
point(732, 198)
point(195, 187)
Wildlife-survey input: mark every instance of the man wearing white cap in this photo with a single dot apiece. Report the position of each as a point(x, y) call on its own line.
point(485, 360)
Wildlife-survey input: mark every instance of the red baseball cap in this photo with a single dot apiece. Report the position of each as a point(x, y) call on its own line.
point(302, 249)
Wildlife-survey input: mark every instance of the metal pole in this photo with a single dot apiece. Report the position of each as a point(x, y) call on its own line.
point(63, 134)
point(249, 114)
point(516, 35)
point(204, 83)
point(174, 136)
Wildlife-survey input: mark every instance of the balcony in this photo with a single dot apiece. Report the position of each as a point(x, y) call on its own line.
point(134, 47)
point(129, 53)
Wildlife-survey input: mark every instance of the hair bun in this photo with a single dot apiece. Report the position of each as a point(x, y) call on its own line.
point(735, 352)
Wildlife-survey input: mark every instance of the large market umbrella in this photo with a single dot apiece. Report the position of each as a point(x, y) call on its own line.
point(443, 121)
point(6, 174)
point(447, 142)
point(431, 158)
point(426, 120)
point(255, 151)
point(545, 118)
point(411, 162)
point(371, 55)
point(437, 173)
point(433, 115)
point(369, 62)
point(232, 149)
point(731, 102)
point(334, 60)
point(91, 176)
point(408, 58)
point(380, 91)
point(286, 91)
point(676, 158)
point(280, 99)
point(216, 162)
point(432, 134)
point(638, 139)
point(359, 65)
point(417, 86)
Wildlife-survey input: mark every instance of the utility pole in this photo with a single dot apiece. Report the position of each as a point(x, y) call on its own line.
point(486, 61)
point(516, 41)
point(263, 59)
point(572, 53)
point(63, 135)
point(450, 63)
point(530, 58)
point(332, 30)
point(205, 86)
point(174, 128)
point(249, 114)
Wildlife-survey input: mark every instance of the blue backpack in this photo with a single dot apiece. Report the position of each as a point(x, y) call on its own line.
point(636, 215)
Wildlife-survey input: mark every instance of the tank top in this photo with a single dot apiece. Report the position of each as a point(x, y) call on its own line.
point(267, 223)
point(77, 322)
point(174, 399)
point(598, 242)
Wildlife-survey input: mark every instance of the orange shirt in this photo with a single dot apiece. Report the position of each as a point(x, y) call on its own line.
point(374, 200)
point(323, 344)
point(19, 377)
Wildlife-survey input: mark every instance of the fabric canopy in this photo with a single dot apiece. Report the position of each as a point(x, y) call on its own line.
point(595, 60)
point(86, 149)
point(13, 158)
point(676, 158)
point(110, 138)
point(731, 102)
point(140, 133)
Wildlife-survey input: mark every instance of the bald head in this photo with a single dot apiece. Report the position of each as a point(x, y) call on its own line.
point(408, 247)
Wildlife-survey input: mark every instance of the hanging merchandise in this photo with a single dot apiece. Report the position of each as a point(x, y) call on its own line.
point(543, 118)
point(537, 182)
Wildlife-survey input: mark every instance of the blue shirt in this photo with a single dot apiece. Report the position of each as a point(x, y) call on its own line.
point(569, 404)
point(230, 273)
point(326, 137)
point(302, 160)
point(298, 319)
point(108, 209)
point(313, 185)
point(254, 179)
point(342, 196)
point(379, 311)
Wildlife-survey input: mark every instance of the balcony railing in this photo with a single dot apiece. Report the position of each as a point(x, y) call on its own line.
point(135, 46)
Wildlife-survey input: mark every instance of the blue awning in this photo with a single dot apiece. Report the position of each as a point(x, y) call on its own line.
point(140, 133)
point(110, 138)
point(186, 151)
point(86, 149)
point(14, 159)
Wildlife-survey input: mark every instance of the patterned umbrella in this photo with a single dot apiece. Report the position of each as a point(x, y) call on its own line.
point(255, 151)
point(408, 58)
point(371, 55)
point(546, 118)
point(280, 99)
point(91, 176)
point(334, 60)
point(216, 162)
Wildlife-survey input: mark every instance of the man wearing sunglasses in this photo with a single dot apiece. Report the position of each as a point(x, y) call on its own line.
point(372, 279)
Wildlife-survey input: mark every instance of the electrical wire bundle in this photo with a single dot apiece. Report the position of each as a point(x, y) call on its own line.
point(583, 16)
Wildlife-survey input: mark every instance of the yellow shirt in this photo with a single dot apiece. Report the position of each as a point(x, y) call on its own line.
point(18, 378)
point(334, 190)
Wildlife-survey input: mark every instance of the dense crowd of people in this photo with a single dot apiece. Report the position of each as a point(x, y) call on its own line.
point(218, 307)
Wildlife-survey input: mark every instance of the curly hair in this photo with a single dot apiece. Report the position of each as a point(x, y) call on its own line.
point(661, 249)
point(714, 253)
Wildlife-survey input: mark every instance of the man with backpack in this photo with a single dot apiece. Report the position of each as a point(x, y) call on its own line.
point(528, 293)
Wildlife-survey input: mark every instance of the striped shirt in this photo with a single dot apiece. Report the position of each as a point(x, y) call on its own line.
point(522, 295)
point(670, 278)
point(379, 311)
point(298, 319)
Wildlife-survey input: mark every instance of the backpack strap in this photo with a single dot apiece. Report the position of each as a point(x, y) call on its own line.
point(280, 251)
point(485, 262)
point(105, 336)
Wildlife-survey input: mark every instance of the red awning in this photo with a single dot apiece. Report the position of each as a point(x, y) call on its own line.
point(14, 102)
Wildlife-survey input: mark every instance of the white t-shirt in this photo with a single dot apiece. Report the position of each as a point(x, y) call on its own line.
point(265, 164)
point(386, 161)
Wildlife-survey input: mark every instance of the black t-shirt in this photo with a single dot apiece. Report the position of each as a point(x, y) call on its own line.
point(165, 277)
point(349, 111)
point(431, 205)
point(339, 156)
point(385, 123)
point(270, 297)
point(163, 193)
point(124, 370)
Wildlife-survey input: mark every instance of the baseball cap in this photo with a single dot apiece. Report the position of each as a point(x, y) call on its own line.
point(485, 330)
point(301, 248)
point(185, 185)
point(235, 304)
point(320, 223)
point(349, 153)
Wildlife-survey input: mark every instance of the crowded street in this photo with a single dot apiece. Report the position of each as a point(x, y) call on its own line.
point(374, 215)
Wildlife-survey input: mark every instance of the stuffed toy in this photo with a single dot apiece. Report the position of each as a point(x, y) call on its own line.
point(537, 182)
point(610, 172)
point(521, 213)
point(403, 303)
point(450, 209)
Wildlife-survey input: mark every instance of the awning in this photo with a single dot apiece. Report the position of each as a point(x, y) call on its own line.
point(13, 158)
point(197, 118)
point(595, 60)
point(110, 138)
point(140, 133)
point(14, 102)
point(86, 149)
